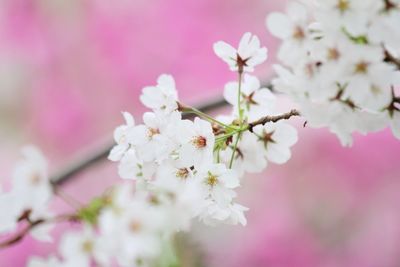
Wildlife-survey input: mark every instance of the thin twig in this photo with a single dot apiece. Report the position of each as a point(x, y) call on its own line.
point(95, 157)
point(392, 59)
point(33, 224)
point(264, 120)
point(19, 236)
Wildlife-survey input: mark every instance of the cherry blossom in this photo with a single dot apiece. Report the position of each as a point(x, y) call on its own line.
point(78, 247)
point(161, 97)
point(344, 74)
point(120, 138)
point(339, 66)
point(248, 55)
point(197, 139)
point(256, 100)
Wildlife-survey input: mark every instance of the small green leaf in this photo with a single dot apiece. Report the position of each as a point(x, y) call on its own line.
point(91, 212)
point(361, 39)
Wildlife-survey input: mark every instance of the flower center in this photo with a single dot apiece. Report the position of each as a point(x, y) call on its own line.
point(87, 246)
point(35, 179)
point(249, 99)
point(135, 226)
point(122, 140)
point(154, 200)
point(343, 5)
point(376, 90)
point(298, 33)
point(152, 132)
point(199, 142)
point(333, 54)
point(361, 67)
point(212, 180)
point(182, 173)
point(241, 63)
point(266, 138)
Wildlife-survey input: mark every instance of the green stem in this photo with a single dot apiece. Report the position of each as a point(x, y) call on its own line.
point(206, 116)
point(222, 137)
point(240, 74)
point(234, 150)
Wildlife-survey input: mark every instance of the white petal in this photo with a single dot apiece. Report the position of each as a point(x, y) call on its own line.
point(117, 152)
point(231, 93)
point(285, 134)
point(395, 124)
point(151, 97)
point(168, 83)
point(130, 121)
point(278, 154)
point(225, 51)
point(279, 25)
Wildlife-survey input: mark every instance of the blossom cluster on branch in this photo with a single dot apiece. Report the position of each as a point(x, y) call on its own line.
point(175, 170)
point(340, 63)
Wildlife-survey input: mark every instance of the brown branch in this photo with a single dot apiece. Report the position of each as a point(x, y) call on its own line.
point(389, 58)
point(266, 119)
point(94, 157)
point(33, 224)
point(389, 5)
point(19, 236)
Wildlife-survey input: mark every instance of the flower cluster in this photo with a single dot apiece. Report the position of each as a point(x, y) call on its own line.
point(191, 169)
point(181, 164)
point(28, 200)
point(340, 63)
point(174, 170)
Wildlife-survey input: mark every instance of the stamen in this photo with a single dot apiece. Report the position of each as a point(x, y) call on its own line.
point(199, 142)
point(212, 180)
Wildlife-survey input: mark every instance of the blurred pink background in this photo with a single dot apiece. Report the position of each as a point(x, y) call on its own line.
point(68, 68)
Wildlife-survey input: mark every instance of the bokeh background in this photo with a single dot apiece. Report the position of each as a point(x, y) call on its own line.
point(69, 67)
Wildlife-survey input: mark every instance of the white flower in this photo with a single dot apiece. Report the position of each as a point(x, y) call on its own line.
point(78, 247)
point(342, 119)
point(249, 155)
point(351, 15)
point(218, 183)
point(31, 181)
point(256, 101)
point(231, 213)
point(277, 138)
point(131, 228)
point(162, 97)
point(341, 77)
point(42, 231)
point(197, 139)
point(384, 29)
point(293, 30)
point(246, 57)
point(179, 194)
point(368, 79)
point(152, 140)
point(131, 167)
point(120, 138)
point(172, 176)
point(30, 195)
point(10, 212)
